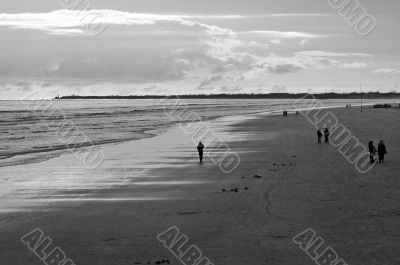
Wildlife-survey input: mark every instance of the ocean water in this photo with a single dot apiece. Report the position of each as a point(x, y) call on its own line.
point(30, 130)
point(28, 134)
point(34, 131)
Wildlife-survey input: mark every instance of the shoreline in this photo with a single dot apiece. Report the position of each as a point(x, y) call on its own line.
point(47, 152)
point(222, 124)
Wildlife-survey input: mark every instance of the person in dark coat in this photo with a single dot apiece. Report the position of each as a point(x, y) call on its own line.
point(200, 148)
point(326, 134)
point(372, 151)
point(319, 134)
point(381, 151)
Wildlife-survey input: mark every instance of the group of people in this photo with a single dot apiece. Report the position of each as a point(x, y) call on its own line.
point(371, 147)
point(326, 135)
point(381, 151)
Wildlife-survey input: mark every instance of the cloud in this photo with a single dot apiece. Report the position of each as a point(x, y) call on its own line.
point(279, 89)
point(302, 61)
point(209, 83)
point(253, 47)
point(5, 86)
point(153, 88)
point(284, 68)
point(284, 34)
point(301, 15)
point(74, 22)
point(304, 42)
point(394, 70)
point(231, 89)
point(54, 67)
point(354, 65)
point(199, 45)
point(276, 41)
point(145, 49)
point(226, 83)
point(21, 87)
point(332, 54)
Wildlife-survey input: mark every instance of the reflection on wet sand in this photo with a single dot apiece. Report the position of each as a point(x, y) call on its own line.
point(127, 165)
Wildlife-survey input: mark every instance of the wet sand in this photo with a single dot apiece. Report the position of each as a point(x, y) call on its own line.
point(300, 185)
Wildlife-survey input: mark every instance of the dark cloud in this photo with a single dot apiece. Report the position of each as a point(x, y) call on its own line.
point(284, 68)
point(208, 83)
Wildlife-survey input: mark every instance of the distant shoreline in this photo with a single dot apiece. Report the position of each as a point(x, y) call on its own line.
point(369, 95)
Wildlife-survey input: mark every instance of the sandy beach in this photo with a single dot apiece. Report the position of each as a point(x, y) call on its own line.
point(286, 183)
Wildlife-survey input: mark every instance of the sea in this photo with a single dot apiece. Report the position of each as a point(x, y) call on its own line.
point(35, 162)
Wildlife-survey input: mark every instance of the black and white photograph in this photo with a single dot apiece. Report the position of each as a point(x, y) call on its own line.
point(213, 132)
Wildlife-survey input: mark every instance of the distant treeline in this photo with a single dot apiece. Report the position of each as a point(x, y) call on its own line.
point(368, 95)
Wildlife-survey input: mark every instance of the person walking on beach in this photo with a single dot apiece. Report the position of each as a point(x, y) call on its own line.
point(381, 151)
point(326, 134)
point(319, 134)
point(372, 151)
point(200, 148)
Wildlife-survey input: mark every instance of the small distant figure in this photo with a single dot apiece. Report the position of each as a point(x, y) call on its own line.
point(381, 151)
point(372, 152)
point(326, 134)
point(319, 134)
point(347, 106)
point(200, 148)
point(297, 113)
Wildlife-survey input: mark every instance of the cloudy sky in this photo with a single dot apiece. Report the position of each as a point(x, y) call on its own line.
point(180, 46)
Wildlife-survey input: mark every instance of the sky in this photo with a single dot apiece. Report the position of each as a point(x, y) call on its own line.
point(164, 47)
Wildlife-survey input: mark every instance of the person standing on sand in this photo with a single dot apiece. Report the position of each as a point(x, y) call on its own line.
point(200, 148)
point(372, 151)
point(381, 151)
point(326, 134)
point(319, 134)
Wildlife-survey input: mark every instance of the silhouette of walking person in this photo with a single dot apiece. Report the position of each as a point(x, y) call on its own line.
point(319, 134)
point(372, 151)
point(381, 151)
point(200, 148)
point(326, 134)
